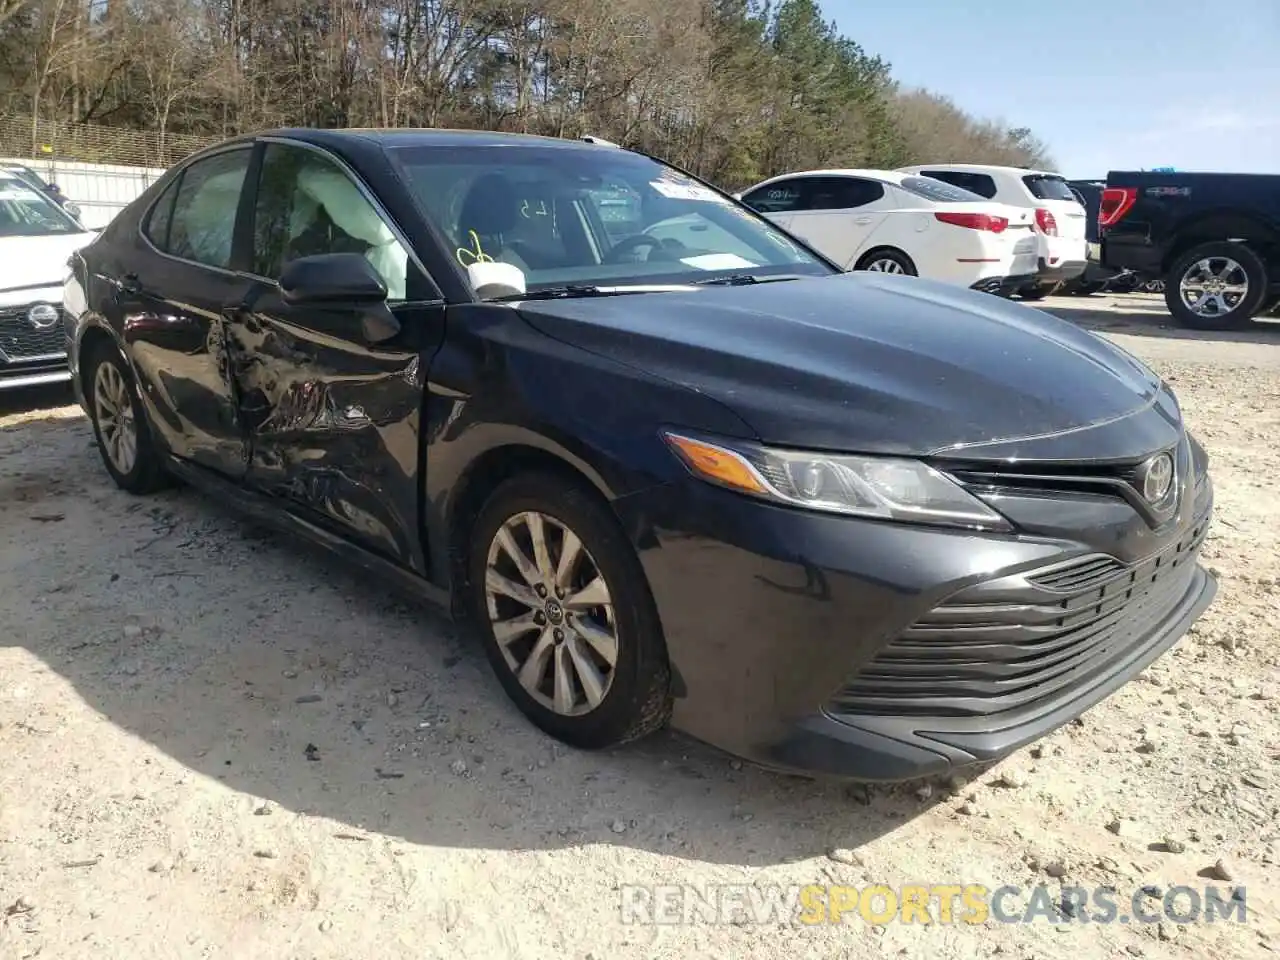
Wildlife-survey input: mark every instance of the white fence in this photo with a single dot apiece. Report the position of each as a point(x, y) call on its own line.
point(100, 190)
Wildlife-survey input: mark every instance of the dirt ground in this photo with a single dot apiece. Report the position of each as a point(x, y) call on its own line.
point(216, 743)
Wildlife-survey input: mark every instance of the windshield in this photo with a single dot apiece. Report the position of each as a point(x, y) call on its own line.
point(25, 212)
point(593, 215)
point(938, 191)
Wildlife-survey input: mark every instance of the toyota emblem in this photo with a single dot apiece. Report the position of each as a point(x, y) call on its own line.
point(1156, 478)
point(42, 316)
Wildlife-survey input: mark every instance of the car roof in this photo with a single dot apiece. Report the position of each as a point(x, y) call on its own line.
point(359, 145)
point(889, 176)
point(985, 168)
point(391, 137)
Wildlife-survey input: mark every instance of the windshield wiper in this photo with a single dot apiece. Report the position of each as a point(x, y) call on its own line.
point(554, 293)
point(744, 279)
point(571, 290)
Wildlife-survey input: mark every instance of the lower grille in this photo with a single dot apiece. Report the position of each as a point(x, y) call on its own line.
point(20, 341)
point(1007, 642)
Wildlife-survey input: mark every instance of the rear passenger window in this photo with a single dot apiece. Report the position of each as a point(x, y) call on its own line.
point(203, 220)
point(842, 193)
point(980, 183)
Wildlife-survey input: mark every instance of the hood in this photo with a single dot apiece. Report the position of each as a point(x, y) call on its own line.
point(29, 262)
point(874, 363)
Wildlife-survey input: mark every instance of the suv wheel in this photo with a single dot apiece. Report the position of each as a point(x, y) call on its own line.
point(565, 614)
point(1216, 286)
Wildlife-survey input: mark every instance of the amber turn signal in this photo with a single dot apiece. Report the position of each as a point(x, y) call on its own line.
point(717, 464)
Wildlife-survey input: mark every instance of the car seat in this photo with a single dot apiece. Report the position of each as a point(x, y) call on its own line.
point(491, 210)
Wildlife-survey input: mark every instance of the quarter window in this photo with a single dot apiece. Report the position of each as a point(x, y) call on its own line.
point(308, 205)
point(203, 220)
point(157, 226)
point(980, 183)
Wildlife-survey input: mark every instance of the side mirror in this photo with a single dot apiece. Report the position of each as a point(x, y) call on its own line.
point(343, 282)
point(334, 279)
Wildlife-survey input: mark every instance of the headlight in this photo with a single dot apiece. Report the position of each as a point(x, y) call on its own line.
point(889, 488)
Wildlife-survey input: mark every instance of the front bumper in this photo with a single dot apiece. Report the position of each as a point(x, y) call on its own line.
point(816, 644)
point(22, 376)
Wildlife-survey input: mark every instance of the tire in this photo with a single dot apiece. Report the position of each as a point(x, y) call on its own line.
point(633, 695)
point(1080, 289)
point(115, 408)
point(887, 261)
point(1039, 291)
point(1235, 265)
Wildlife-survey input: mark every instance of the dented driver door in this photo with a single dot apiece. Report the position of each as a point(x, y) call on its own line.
point(333, 421)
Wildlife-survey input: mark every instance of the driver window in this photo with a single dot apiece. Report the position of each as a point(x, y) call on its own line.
point(308, 205)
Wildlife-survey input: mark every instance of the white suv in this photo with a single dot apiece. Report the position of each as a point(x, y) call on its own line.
point(1061, 222)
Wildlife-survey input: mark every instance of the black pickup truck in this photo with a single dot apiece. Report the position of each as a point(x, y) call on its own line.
point(1213, 238)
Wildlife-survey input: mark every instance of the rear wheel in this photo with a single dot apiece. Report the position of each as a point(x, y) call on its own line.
point(565, 613)
point(124, 439)
point(888, 261)
point(1216, 286)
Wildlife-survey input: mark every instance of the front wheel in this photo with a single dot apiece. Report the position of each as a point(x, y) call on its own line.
point(124, 440)
point(1216, 286)
point(565, 613)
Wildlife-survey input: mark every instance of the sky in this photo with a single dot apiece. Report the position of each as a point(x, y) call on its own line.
point(1108, 84)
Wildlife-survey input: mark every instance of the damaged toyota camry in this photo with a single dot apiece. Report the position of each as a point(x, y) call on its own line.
point(673, 465)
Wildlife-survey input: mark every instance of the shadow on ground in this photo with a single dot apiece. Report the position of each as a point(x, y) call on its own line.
point(32, 399)
point(252, 659)
point(1145, 315)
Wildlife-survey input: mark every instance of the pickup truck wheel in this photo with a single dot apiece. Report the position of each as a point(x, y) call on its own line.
point(565, 613)
point(1079, 288)
point(1039, 292)
point(1216, 286)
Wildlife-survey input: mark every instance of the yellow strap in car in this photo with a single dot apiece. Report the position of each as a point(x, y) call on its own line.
point(467, 256)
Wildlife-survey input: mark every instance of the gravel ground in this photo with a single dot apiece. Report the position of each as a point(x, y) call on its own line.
point(217, 743)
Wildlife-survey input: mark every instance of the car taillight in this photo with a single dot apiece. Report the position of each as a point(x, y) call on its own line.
point(1115, 203)
point(1045, 221)
point(974, 221)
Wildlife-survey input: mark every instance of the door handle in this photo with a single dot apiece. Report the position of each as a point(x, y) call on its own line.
point(862, 220)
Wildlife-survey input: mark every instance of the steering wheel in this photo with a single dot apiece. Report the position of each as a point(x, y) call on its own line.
point(630, 244)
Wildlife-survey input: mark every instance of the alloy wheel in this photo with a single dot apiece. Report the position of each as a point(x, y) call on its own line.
point(1214, 286)
point(552, 613)
point(885, 265)
point(113, 409)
